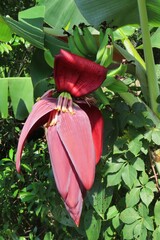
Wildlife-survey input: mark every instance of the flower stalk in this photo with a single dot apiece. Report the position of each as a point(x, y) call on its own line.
point(149, 59)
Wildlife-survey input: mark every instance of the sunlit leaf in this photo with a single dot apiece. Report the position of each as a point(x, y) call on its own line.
point(129, 215)
point(112, 11)
point(92, 226)
point(146, 195)
point(62, 14)
point(5, 31)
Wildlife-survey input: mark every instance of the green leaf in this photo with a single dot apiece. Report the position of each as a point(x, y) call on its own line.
point(148, 223)
point(157, 213)
point(5, 31)
point(114, 179)
point(116, 222)
point(151, 185)
point(129, 175)
point(100, 197)
point(112, 212)
point(146, 196)
point(92, 226)
point(133, 197)
point(112, 11)
point(139, 164)
point(155, 39)
point(156, 136)
point(33, 16)
point(54, 45)
point(30, 33)
point(115, 85)
point(62, 14)
point(49, 58)
point(114, 167)
point(127, 30)
point(4, 97)
point(48, 236)
point(140, 231)
point(26, 196)
point(135, 145)
point(144, 178)
point(143, 210)
point(128, 230)
point(40, 73)
point(129, 215)
point(156, 234)
point(23, 101)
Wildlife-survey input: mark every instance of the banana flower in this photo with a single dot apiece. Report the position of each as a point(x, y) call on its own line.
point(73, 128)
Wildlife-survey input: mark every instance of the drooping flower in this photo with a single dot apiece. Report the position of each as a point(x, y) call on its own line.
point(74, 130)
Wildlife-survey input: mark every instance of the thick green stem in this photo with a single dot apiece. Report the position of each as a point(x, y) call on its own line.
point(149, 59)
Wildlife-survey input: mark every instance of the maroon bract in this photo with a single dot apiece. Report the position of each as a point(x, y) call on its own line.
point(73, 130)
point(77, 75)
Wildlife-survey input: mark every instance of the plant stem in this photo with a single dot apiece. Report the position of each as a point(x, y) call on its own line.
point(130, 48)
point(149, 59)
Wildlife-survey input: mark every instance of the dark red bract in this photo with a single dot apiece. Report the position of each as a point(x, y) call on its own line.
point(77, 75)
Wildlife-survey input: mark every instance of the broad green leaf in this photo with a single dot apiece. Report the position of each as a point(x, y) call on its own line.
point(30, 33)
point(140, 231)
point(92, 226)
point(33, 16)
point(155, 39)
point(54, 44)
point(115, 85)
point(139, 164)
point(112, 212)
point(140, 72)
point(100, 197)
point(23, 101)
point(129, 175)
point(129, 215)
point(144, 178)
point(148, 223)
point(114, 179)
point(143, 210)
point(127, 30)
point(112, 11)
point(135, 145)
point(61, 215)
point(4, 98)
point(146, 195)
point(26, 196)
point(157, 213)
point(48, 58)
point(114, 167)
point(48, 236)
point(109, 233)
point(151, 185)
point(5, 31)
point(132, 197)
point(156, 136)
point(40, 73)
point(116, 222)
point(128, 230)
point(156, 234)
point(62, 14)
